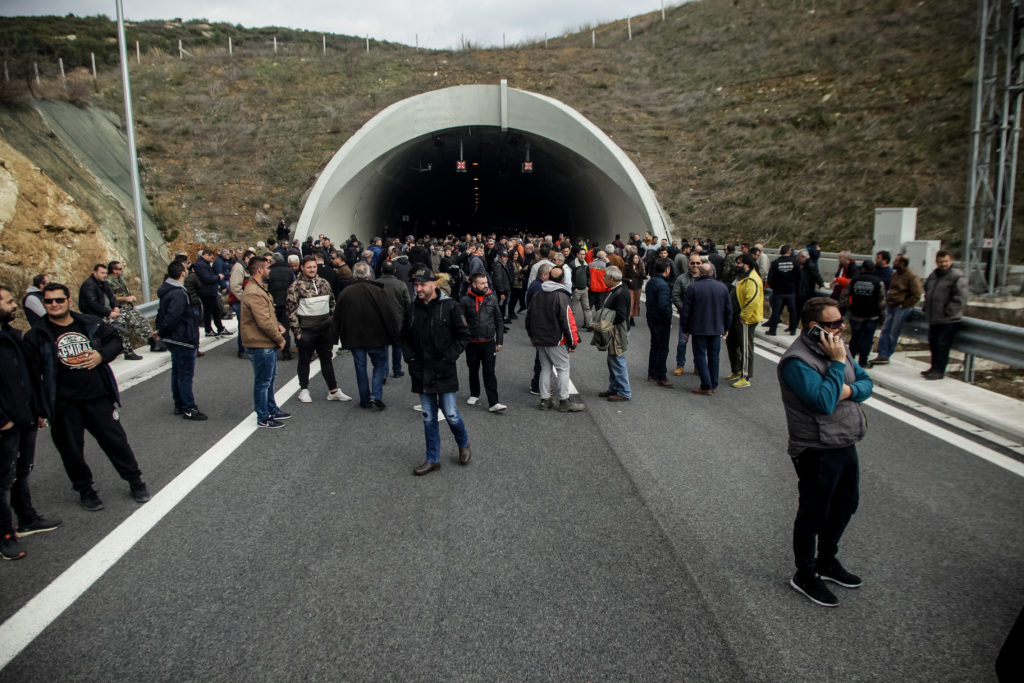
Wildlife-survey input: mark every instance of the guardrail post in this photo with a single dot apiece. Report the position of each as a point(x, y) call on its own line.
point(969, 368)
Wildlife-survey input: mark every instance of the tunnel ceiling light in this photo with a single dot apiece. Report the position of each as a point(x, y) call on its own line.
point(460, 165)
point(527, 164)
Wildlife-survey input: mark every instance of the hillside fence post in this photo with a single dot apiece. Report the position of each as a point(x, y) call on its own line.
point(663, 10)
point(324, 40)
point(593, 38)
point(63, 79)
point(36, 65)
point(545, 41)
point(367, 44)
point(629, 27)
point(92, 55)
point(231, 52)
point(180, 51)
point(417, 42)
point(138, 53)
point(7, 76)
point(275, 45)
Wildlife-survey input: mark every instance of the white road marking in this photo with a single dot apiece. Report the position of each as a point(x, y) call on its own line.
point(952, 438)
point(27, 623)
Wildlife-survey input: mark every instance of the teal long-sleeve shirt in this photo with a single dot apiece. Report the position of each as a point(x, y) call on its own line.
point(821, 393)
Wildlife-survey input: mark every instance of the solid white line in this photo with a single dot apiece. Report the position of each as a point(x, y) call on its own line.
point(952, 438)
point(42, 610)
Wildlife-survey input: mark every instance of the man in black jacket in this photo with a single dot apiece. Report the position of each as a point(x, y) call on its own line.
point(179, 330)
point(279, 278)
point(21, 416)
point(72, 355)
point(486, 334)
point(209, 290)
point(434, 333)
point(96, 297)
point(867, 310)
point(783, 280)
point(366, 324)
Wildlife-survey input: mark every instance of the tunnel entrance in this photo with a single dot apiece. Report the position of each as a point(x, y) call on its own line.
point(480, 158)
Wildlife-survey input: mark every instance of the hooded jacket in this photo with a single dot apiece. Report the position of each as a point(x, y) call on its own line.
point(175, 322)
point(549, 318)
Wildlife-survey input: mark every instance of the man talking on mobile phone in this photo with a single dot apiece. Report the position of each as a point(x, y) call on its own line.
point(822, 388)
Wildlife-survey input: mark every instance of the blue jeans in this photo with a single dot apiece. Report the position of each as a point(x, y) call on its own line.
point(264, 368)
point(894, 319)
point(681, 348)
point(618, 377)
point(379, 357)
point(429, 404)
point(183, 369)
point(706, 349)
point(237, 308)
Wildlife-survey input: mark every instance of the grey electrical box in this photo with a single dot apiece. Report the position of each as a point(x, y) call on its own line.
point(921, 254)
point(894, 228)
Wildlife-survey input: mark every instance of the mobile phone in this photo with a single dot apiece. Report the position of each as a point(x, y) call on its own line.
point(817, 333)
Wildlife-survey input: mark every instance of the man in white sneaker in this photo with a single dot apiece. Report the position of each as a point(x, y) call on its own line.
point(309, 305)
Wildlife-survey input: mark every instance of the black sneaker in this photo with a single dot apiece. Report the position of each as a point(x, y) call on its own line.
point(194, 414)
point(280, 415)
point(131, 355)
point(9, 548)
point(377, 404)
point(140, 493)
point(37, 526)
point(91, 500)
point(179, 411)
point(834, 572)
point(814, 588)
point(269, 423)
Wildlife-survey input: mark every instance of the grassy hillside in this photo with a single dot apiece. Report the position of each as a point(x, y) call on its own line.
point(759, 120)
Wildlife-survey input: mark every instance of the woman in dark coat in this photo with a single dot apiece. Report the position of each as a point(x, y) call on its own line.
point(634, 276)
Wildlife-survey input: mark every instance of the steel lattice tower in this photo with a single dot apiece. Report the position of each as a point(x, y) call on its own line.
point(995, 133)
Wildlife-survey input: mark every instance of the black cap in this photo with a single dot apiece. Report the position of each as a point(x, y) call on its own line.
point(423, 275)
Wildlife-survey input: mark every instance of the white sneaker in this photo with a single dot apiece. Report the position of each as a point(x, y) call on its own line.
point(338, 395)
point(497, 408)
point(304, 396)
point(473, 400)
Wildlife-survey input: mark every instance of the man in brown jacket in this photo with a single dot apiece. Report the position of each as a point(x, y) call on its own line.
point(904, 293)
point(262, 336)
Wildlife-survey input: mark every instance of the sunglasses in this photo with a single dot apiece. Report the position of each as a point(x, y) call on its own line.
point(834, 325)
point(55, 300)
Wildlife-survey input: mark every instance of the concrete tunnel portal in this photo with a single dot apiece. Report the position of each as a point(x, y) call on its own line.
point(400, 173)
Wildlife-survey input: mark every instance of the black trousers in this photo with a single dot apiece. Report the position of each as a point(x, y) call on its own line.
point(211, 313)
point(778, 302)
point(17, 458)
point(282, 318)
point(657, 359)
point(100, 418)
point(518, 302)
point(321, 341)
point(829, 488)
point(940, 341)
point(477, 354)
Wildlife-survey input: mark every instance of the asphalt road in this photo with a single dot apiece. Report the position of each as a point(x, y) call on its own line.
point(645, 540)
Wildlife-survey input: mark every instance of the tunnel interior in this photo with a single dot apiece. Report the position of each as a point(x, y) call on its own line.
point(416, 188)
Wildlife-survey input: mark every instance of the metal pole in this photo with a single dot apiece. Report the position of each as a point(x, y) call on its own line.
point(180, 51)
point(663, 10)
point(138, 53)
point(593, 38)
point(629, 27)
point(324, 39)
point(545, 41)
point(63, 79)
point(417, 42)
point(275, 45)
point(93, 56)
point(367, 44)
point(230, 51)
point(503, 41)
point(36, 65)
point(133, 164)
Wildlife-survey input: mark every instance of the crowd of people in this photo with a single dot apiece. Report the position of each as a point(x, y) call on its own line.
point(420, 304)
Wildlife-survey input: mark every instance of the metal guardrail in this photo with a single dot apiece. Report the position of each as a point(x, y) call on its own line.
point(149, 308)
point(976, 339)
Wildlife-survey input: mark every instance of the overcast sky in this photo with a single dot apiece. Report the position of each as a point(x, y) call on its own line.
point(439, 23)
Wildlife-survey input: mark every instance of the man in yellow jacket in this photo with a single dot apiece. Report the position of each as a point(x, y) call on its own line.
point(749, 307)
